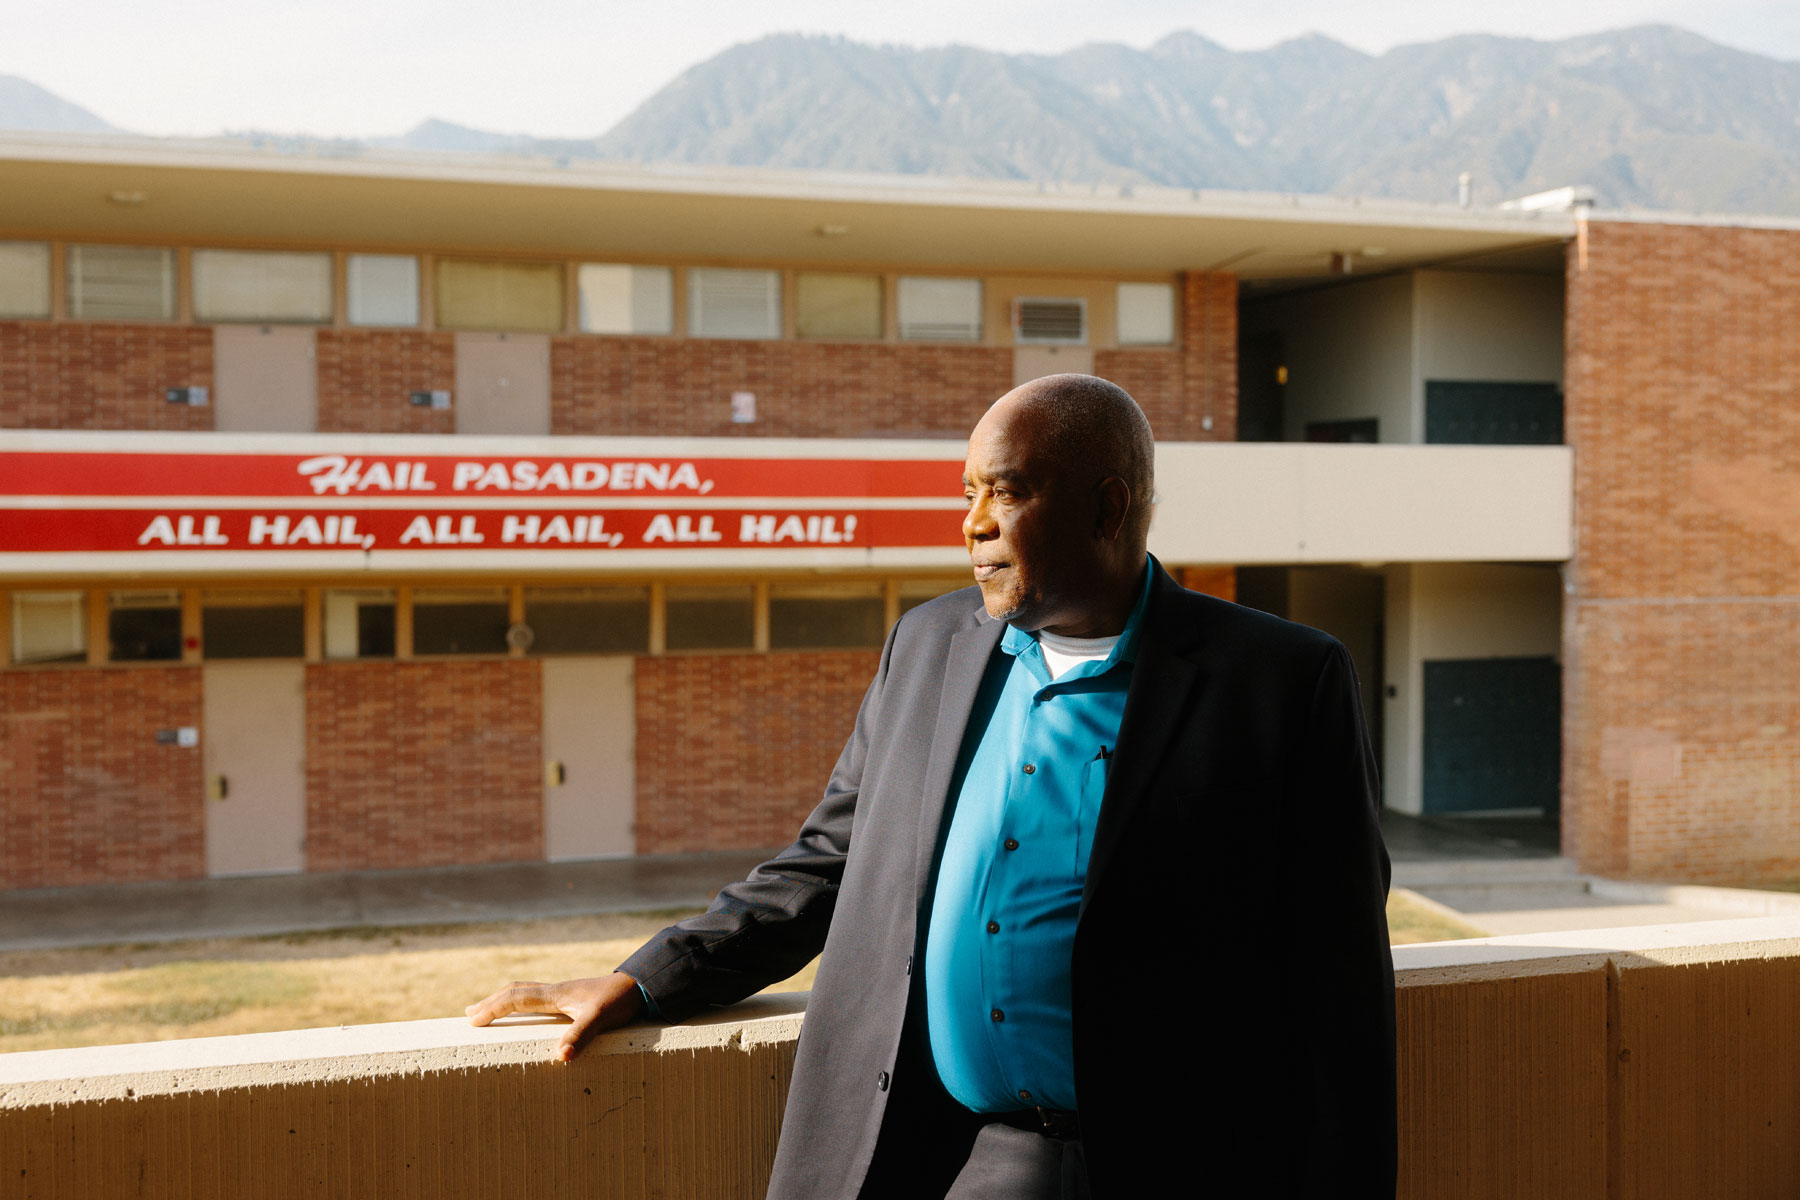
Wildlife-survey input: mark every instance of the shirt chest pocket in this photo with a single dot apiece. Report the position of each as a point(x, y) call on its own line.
point(1093, 788)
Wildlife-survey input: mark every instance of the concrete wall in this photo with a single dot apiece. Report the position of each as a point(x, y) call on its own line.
point(1681, 712)
point(1488, 326)
point(1270, 502)
point(1452, 611)
point(1349, 355)
point(1637, 1064)
point(1346, 603)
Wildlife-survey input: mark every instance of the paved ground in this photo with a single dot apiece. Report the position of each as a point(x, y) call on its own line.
point(251, 906)
point(1503, 874)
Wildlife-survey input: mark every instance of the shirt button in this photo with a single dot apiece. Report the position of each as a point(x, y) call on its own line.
point(997, 1015)
point(881, 1081)
point(1030, 768)
point(993, 927)
point(1025, 1095)
point(1011, 843)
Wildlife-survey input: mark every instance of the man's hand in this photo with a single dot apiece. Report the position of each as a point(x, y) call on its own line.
point(592, 1004)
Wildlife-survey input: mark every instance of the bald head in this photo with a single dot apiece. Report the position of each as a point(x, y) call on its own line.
point(1058, 484)
point(1091, 427)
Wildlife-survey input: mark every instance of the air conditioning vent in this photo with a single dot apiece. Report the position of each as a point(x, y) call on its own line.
point(1060, 322)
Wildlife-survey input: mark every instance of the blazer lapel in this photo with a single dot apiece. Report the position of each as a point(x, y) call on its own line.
point(970, 651)
point(1163, 678)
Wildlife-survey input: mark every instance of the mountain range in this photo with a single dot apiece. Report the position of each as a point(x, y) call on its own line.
point(1652, 117)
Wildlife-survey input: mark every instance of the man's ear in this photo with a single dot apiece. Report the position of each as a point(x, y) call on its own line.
point(1115, 506)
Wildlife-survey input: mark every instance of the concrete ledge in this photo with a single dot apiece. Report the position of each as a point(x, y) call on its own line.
point(1635, 1063)
point(346, 1052)
point(1569, 951)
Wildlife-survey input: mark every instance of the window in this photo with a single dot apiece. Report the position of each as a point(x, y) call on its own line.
point(914, 592)
point(1146, 314)
point(734, 304)
point(121, 283)
point(939, 310)
point(621, 299)
point(520, 297)
point(49, 627)
point(383, 289)
point(802, 617)
point(144, 626)
point(257, 285)
point(24, 279)
point(603, 620)
point(359, 623)
point(460, 620)
point(253, 624)
point(1042, 320)
point(837, 306)
point(710, 618)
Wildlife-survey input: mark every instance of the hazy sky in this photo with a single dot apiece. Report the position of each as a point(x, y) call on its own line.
point(560, 68)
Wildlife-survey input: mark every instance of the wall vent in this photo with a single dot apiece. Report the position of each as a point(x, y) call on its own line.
point(1042, 320)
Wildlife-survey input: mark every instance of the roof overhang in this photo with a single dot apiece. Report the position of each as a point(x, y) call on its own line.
point(225, 193)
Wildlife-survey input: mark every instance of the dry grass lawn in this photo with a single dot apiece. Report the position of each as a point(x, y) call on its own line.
point(109, 995)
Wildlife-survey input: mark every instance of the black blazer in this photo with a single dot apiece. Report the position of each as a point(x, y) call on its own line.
point(1233, 990)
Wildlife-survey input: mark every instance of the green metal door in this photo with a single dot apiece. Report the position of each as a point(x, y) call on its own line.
point(1493, 734)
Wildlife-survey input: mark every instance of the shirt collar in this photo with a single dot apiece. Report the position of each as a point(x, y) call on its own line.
point(1016, 641)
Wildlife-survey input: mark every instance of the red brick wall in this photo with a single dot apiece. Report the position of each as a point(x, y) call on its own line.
point(423, 763)
point(91, 376)
point(366, 377)
point(1214, 581)
point(1209, 360)
point(1681, 740)
point(86, 793)
point(1154, 378)
point(658, 386)
point(733, 750)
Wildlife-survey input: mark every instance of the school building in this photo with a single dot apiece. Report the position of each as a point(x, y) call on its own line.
point(383, 510)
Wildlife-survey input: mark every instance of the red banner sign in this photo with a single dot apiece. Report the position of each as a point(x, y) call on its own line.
point(440, 476)
point(149, 502)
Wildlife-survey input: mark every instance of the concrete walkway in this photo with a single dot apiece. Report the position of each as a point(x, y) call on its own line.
point(268, 904)
point(1502, 875)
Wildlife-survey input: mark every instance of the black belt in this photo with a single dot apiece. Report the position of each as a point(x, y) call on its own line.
point(1056, 1123)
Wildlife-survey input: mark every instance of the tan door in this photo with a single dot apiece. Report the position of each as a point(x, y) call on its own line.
point(1035, 362)
point(254, 740)
point(502, 383)
point(590, 740)
point(265, 379)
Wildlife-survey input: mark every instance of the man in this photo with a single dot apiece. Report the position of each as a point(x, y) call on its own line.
point(1097, 878)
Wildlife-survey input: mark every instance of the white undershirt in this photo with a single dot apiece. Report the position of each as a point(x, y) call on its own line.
point(1062, 653)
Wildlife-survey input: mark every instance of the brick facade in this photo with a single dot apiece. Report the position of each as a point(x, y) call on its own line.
point(366, 377)
point(80, 375)
point(413, 764)
point(1209, 323)
point(682, 388)
point(87, 794)
point(733, 750)
point(1681, 737)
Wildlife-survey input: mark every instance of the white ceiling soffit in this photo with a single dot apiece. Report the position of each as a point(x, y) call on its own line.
point(200, 192)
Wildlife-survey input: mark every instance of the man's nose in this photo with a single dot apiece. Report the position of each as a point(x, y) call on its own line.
point(978, 522)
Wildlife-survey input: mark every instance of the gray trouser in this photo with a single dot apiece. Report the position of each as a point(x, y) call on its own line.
point(1016, 1164)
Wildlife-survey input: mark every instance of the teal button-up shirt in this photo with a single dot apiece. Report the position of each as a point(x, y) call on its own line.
point(1002, 929)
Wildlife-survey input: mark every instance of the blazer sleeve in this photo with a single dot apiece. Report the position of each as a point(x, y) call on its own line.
point(1340, 985)
point(764, 928)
